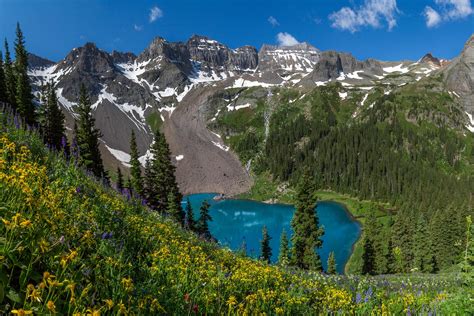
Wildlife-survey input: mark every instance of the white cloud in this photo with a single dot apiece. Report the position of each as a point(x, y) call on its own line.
point(286, 39)
point(138, 28)
point(447, 10)
point(371, 13)
point(155, 14)
point(274, 22)
point(432, 17)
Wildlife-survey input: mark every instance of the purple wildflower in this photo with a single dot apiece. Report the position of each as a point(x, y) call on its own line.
point(358, 298)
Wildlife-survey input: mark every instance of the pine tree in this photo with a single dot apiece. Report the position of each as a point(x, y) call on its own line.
point(284, 256)
point(119, 180)
point(202, 227)
point(266, 250)
point(3, 84)
point(467, 265)
point(162, 184)
point(190, 222)
point(135, 170)
point(331, 263)
point(149, 185)
point(423, 253)
point(174, 208)
point(52, 119)
point(24, 96)
point(369, 247)
point(10, 79)
point(88, 137)
point(305, 223)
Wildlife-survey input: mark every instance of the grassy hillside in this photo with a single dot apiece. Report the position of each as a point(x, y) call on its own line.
point(69, 245)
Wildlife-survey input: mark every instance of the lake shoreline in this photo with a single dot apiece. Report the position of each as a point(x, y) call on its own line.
point(342, 205)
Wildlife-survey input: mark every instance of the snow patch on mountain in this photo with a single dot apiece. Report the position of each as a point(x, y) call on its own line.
point(470, 126)
point(121, 156)
point(398, 68)
point(221, 146)
point(343, 95)
point(232, 107)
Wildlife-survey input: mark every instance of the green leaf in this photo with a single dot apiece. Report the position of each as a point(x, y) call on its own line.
point(14, 296)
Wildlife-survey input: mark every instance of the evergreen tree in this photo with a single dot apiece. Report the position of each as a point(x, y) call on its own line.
point(284, 256)
point(24, 96)
point(305, 223)
point(190, 222)
point(88, 137)
point(10, 79)
point(423, 253)
point(52, 119)
point(135, 170)
point(119, 180)
point(174, 208)
point(164, 180)
point(149, 185)
point(3, 84)
point(369, 245)
point(265, 249)
point(331, 263)
point(202, 227)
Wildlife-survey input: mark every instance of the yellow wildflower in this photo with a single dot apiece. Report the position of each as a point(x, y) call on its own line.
point(33, 293)
point(231, 301)
point(21, 312)
point(26, 224)
point(109, 303)
point(127, 284)
point(50, 305)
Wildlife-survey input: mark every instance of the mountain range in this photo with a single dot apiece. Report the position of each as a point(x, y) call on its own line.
point(173, 86)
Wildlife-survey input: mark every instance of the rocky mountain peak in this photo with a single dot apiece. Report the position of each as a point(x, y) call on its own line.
point(35, 61)
point(297, 58)
point(430, 59)
point(123, 58)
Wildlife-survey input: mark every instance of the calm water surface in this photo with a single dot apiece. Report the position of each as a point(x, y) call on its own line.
point(238, 221)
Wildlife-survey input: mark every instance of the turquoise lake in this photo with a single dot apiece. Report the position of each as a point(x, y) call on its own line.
point(236, 221)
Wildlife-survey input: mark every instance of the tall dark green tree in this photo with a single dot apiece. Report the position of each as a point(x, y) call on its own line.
point(331, 263)
point(10, 78)
point(3, 84)
point(369, 244)
point(284, 255)
point(24, 96)
point(423, 252)
point(190, 222)
point(52, 119)
point(149, 185)
point(202, 226)
point(174, 210)
point(307, 234)
point(119, 180)
point(164, 180)
point(265, 249)
point(135, 168)
point(88, 136)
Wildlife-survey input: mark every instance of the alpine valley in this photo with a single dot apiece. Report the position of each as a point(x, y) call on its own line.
point(130, 185)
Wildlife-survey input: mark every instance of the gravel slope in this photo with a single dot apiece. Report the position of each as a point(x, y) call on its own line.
point(204, 166)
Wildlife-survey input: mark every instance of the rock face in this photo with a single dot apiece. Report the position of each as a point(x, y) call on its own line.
point(38, 62)
point(217, 60)
point(333, 65)
point(459, 75)
point(281, 62)
point(430, 59)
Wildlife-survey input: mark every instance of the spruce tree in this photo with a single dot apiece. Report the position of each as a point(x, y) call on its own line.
point(3, 84)
point(88, 137)
point(331, 263)
point(423, 252)
point(10, 79)
point(174, 210)
point(149, 185)
point(305, 223)
point(24, 96)
point(119, 180)
point(202, 227)
point(190, 222)
point(52, 119)
point(284, 256)
point(135, 170)
point(369, 245)
point(164, 181)
point(265, 249)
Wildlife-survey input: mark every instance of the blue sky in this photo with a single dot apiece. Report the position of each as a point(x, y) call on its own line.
point(382, 29)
